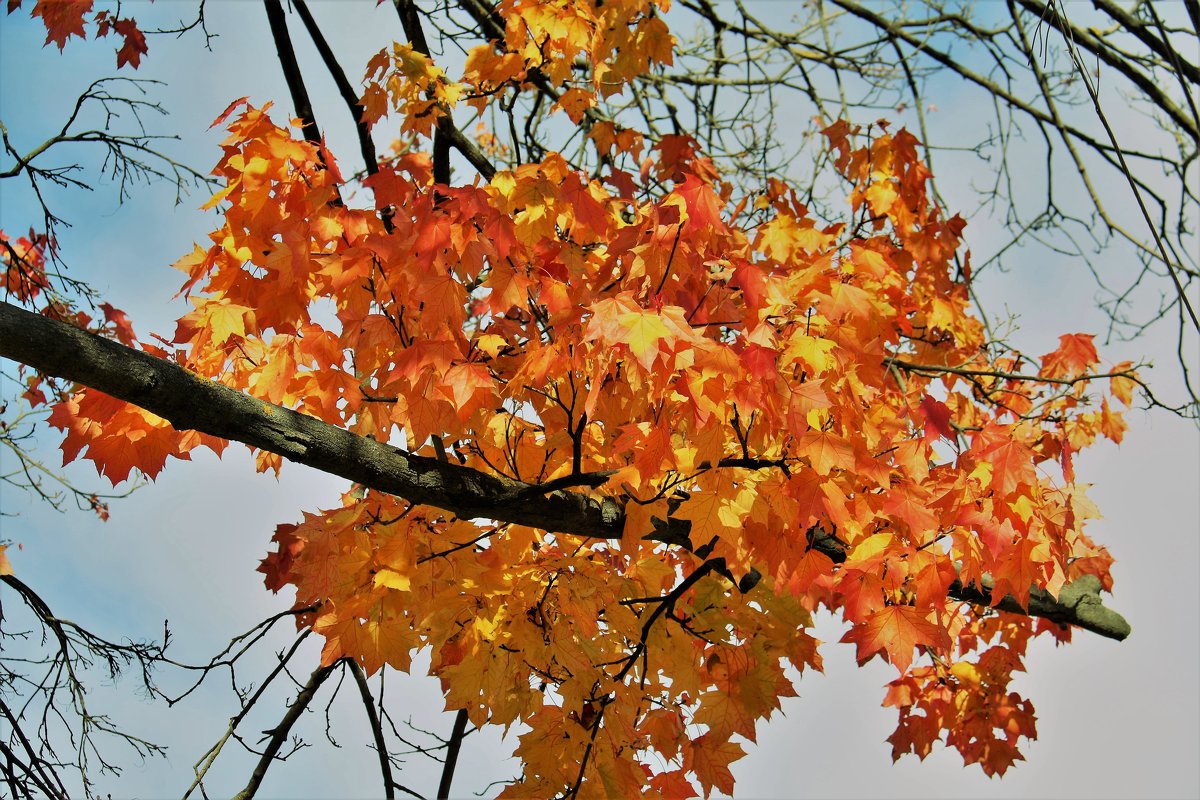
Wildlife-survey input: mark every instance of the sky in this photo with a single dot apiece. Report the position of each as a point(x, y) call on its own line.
point(1114, 719)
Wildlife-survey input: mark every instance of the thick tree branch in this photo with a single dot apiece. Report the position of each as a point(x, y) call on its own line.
point(291, 70)
point(453, 746)
point(366, 144)
point(192, 403)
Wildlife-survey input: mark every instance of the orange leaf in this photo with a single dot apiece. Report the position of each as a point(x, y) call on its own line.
point(703, 205)
point(673, 785)
point(709, 757)
point(826, 451)
point(1012, 466)
point(1075, 355)
point(894, 631)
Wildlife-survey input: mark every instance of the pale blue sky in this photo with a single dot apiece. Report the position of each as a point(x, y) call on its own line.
point(1115, 719)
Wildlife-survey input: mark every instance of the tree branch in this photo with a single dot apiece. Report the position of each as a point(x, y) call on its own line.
point(447, 134)
point(452, 748)
point(192, 403)
point(364, 691)
point(366, 144)
point(291, 70)
point(280, 732)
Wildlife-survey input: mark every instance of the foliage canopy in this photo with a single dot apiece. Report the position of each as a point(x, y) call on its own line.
point(626, 414)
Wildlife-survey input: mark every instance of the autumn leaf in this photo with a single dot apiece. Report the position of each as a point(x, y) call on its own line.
point(826, 451)
point(224, 319)
point(937, 419)
point(1076, 354)
point(709, 758)
point(1012, 466)
point(642, 332)
point(712, 514)
point(673, 785)
point(895, 631)
point(134, 41)
point(703, 205)
point(122, 327)
point(63, 19)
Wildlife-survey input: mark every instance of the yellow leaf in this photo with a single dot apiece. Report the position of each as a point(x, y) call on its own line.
point(505, 183)
point(390, 579)
point(225, 319)
point(643, 332)
point(491, 344)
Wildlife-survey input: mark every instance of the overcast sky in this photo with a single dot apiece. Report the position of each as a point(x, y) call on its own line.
point(1114, 719)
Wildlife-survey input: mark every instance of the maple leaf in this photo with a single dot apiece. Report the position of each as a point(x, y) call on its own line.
point(895, 631)
point(117, 436)
point(640, 330)
point(709, 758)
point(134, 45)
point(5, 564)
point(909, 507)
point(1122, 386)
point(810, 575)
point(1012, 466)
point(63, 19)
point(712, 515)
point(665, 729)
point(826, 451)
point(1076, 354)
point(575, 101)
point(703, 205)
point(224, 319)
point(937, 419)
point(122, 327)
point(725, 714)
point(673, 785)
point(277, 565)
point(464, 384)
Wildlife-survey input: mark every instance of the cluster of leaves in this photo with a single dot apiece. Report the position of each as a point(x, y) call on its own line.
point(25, 280)
point(66, 18)
point(694, 357)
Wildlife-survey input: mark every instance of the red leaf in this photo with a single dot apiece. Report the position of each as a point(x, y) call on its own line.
point(241, 101)
point(62, 18)
point(135, 43)
point(120, 322)
point(937, 419)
